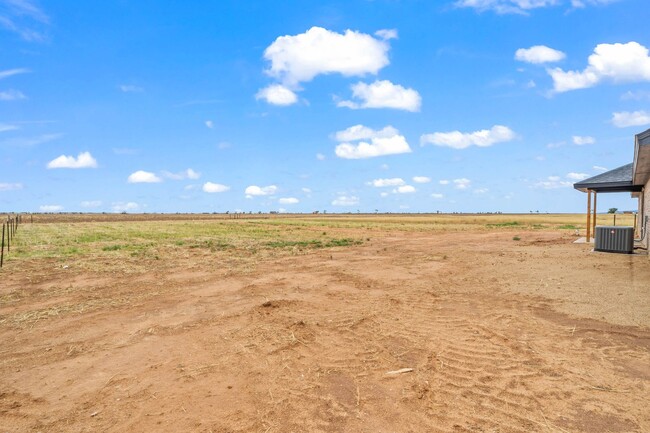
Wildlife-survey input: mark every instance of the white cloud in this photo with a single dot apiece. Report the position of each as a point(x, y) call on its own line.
point(32, 141)
point(384, 142)
point(638, 95)
point(83, 160)
point(624, 119)
point(345, 200)
point(462, 183)
point(141, 176)
point(384, 194)
point(300, 58)
point(555, 144)
point(214, 187)
point(288, 200)
point(277, 94)
point(124, 206)
point(128, 88)
point(443, 182)
point(91, 203)
point(599, 168)
point(16, 71)
point(383, 94)
point(539, 54)
point(320, 157)
point(577, 176)
point(404, 189)
point(387, 34)
point(209, 124)
point(10, 186)
point(506, 6)
point(7, 127)
point(186, 174)
point(553, 182)
point(380, 183)
point(51, 208)
point(306, 190)
point(615, 62)
point(421, 179)
point(12, 95)
point(438, 196)
point(460, 140)
point(582, 140)
point(22, 17)
point(255, 190)
point(481, 191)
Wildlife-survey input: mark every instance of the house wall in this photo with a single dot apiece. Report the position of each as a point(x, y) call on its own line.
point(646, 213)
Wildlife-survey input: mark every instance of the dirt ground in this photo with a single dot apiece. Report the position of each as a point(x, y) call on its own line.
point(498, 335)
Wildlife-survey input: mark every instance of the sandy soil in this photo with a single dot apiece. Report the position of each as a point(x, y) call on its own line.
point(536, 335)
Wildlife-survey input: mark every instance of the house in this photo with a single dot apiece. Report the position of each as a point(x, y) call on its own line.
point(633, 178)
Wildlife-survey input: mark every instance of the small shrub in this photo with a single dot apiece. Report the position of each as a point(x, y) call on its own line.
point(516, 238)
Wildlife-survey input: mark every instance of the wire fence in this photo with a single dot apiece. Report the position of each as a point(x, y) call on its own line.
point(9, 230)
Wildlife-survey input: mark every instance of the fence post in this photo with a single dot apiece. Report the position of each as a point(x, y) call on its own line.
point(8, 238)
point(2, 249)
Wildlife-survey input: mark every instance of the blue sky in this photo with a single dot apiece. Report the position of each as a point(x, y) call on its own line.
point(296, 106)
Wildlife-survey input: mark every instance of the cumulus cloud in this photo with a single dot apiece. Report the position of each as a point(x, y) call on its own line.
point(421, 179)
point(345, 200)
point(299, 58)
point(582, 140)
point(383, 94)
point(462, 183)
point(209, 124)
point(404, 189)
point(214, 187)
point(83, 160)
point(380, 183)
point(443, 182)
point(12, 95)
point(577, 176)
point(539, 54)
point(91, 203)
point(124, 206)
point(288, 200)
point(614, 62)
point(185, 174)
point(255, 190)
point(277, 94)
point(623, 119)
point(360, 142)
point(10, 186)
point(51, 208)
point(462, 140)
point(142, 176)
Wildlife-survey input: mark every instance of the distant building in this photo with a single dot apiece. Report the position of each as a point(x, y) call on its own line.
point(633, 178)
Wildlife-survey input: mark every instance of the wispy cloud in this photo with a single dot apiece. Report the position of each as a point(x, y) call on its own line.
point(121, 206)
point(10, 186)
point(31, 141)
point(130, 88)
point(90, 204)
point(24, 18)
point(12, 95)
point(50, 208)
point(8, 127)
point(624, 119)
point(16, 71)
point(345, 200)
point(186, 174)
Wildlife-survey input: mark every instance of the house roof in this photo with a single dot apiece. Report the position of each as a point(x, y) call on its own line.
point(627, 178)
point(617, 180)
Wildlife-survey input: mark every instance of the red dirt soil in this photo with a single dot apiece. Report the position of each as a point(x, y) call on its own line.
point(536, 335)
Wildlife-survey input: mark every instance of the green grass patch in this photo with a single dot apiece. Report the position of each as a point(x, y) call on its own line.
point(505, 224)
point(314, 243)
point(567, 227)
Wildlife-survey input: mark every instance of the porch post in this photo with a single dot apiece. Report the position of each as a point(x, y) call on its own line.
point(593, 227)
point(588, 215)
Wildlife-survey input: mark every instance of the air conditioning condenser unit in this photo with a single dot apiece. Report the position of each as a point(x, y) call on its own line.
point(614, 239)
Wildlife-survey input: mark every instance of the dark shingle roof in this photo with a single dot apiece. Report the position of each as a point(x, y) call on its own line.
point(617, 180)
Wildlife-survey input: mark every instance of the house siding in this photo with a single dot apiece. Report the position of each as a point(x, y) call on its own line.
point(646, 214)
